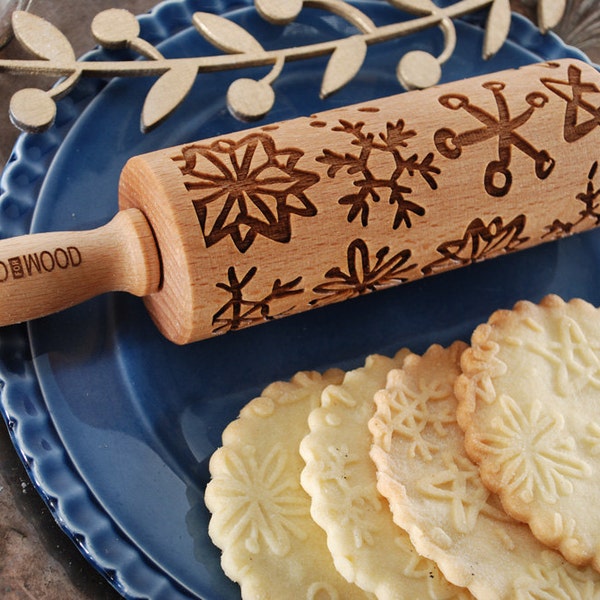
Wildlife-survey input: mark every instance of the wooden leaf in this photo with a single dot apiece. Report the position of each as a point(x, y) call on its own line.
point(497, 27)
point(415, 6)
point(550, 12)
point(41, 37)
point(225, 34)
point(167, 93)
point(344, 64)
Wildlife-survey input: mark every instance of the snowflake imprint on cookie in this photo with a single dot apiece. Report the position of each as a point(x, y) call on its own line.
point(575, 358)
point(534, 452)
point(269, 516)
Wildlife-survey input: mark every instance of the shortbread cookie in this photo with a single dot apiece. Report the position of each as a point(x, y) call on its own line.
point(437, 496)
point(367, 547)
point(260, 513)
point(529, 401)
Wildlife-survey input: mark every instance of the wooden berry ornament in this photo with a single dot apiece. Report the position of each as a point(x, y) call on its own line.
point(244, 228)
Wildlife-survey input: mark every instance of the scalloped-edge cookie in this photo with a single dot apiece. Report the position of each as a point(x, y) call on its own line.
point(529, 402)
point(436, 494)
point(368, 549)
point(260, 512)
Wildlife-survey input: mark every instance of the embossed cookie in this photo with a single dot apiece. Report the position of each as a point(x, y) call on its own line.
point(367, 547)
point(260, 513)
point(437, 496)
point(530, 405)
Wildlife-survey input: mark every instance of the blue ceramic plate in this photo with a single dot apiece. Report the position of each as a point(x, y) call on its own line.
point(115, 424)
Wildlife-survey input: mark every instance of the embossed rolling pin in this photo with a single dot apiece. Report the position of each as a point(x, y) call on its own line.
point(251, 226)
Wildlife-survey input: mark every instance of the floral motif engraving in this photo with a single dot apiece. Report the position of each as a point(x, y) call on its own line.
point(573, 91)
point(576, 360)
point(534, 452)
point(367, 164)
point(498, 176)
point(480, 241)
point(559, 229)
point(241, 312)
point(460, 485)
point(362, 277)
point(247, 188)
point(263, 503)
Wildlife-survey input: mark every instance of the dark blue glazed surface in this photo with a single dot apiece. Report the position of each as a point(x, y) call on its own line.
point(115, 423)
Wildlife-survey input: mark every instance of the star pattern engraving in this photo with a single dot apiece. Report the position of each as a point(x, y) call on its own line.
point(576, 93)
point(263, 505)
point(247, 188)
point(534, 453)
point(460, 485)
point(575, 359)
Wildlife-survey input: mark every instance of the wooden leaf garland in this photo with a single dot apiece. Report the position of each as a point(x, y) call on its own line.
point(550, 12)
point(167, 93)
point(344, 64)
point(225, 34)
point(41, 38)
point(497, 28)
point(247, 98)
point(416, 6)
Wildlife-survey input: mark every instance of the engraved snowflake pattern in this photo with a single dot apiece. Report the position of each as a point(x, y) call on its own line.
point(459, 485)
point(261, 501)
point(591, 439)
point(373, 181)
point(354, 515)
point(575, 359)
point(534, 452)
point(246, 188)
point(411, 416)
point(547, 582)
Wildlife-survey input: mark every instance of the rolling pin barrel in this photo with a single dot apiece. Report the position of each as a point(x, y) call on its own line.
point(251, 226)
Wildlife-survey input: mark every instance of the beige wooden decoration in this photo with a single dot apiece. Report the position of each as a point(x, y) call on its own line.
point(275, 220)
point(34, 109)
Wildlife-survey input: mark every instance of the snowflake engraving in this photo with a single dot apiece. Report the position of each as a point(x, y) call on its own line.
point(480, 241)
point(534, 452)
point(575, 359)
point(411, 414)
point(548, 581)
point(576, 95)
point(362, 276)
point(589, 213)
point(240, 311)
point(459, 485)
point(380, 167)
point(246, 188)
point(498, 176)
point(262, 504)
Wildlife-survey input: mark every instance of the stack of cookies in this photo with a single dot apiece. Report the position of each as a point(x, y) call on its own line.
point(467, 472)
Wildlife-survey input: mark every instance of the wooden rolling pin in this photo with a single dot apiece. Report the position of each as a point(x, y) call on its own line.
point(251, 226)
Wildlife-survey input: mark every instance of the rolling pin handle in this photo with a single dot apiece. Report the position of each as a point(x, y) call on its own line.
point(46, 272)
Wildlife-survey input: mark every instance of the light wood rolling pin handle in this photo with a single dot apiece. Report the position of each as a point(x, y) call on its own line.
point(46, 272)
